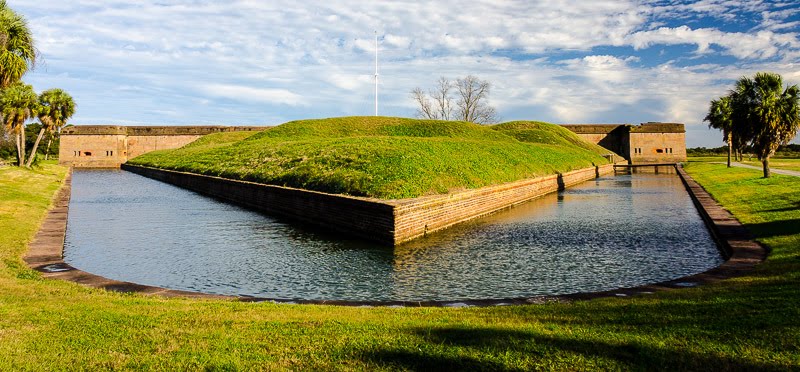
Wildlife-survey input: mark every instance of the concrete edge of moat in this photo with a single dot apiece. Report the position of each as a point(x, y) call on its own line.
point(45, 254)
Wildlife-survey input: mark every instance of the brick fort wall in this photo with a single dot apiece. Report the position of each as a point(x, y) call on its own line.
point(109, 146)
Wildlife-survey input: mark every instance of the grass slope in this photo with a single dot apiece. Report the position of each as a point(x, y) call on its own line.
point(380, 157)
point(546, 133)
point(748, 323)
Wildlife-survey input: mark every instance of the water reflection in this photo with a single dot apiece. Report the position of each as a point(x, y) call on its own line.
point(612, 232)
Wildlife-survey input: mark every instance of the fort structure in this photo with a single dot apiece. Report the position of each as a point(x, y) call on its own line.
point(389, 222)
point(109, 146)
point(646, 143)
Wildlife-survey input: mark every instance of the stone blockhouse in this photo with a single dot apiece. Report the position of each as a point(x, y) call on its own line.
point(109, 146)
point(646, 143)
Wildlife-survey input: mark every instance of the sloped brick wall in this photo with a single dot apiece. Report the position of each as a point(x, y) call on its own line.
point(367, 218)
point(388, 222)
point(419, 216)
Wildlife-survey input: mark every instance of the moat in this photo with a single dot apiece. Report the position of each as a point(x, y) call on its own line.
point(613, 232)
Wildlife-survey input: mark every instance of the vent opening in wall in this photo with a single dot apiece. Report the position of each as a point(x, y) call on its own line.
point(660, 151)
point(87, 153)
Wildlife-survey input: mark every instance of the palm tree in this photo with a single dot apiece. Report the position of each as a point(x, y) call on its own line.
point(56, 107)
point(18, 103)
point(766, 113)
point(719, 117)
point(17, 52)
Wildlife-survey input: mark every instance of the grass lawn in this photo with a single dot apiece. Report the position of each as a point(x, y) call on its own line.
point(774, 163)
point(747, 323)
point(777, 163)
point(384, 157)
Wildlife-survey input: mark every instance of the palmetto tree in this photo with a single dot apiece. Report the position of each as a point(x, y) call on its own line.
point(720, 116)
point(55, 108)
point(18, 103)
point(17, 52)
point(17, 55)
point(766, 113)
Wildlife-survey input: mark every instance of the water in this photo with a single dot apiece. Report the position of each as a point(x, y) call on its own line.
point(613, 232)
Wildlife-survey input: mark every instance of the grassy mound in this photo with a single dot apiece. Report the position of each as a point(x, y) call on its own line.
point(546, 133)
point(380, 157)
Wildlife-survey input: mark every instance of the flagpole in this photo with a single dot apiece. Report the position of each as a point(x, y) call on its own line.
point(376, 73)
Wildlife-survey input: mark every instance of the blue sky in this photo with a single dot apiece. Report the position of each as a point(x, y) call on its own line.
point(248, 62)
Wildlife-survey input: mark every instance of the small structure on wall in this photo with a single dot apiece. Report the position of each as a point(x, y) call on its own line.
point(109, 146)
point(646, 143)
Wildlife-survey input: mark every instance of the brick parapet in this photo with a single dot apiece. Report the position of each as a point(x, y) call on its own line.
point(389, 222)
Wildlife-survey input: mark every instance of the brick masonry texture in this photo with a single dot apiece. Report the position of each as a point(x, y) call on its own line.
point(647, 143)
point(389, 222)
point(108, 146)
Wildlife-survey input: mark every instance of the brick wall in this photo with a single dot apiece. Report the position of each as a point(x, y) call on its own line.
point(93, 151)
point(643, 143)
point(108, 146)
point(387, 222)
point(138, 145)
point(657, 147)
point(371, 219)
point(419, 216)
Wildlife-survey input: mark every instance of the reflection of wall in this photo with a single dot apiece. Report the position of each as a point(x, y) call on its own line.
point(108, 146)
point(389, 222)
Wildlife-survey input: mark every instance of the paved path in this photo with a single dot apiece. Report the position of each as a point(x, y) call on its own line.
point(771, 169)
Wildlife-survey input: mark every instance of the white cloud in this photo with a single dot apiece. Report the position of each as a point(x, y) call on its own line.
point(250, 94)
point(248, 61)
point(758, 45)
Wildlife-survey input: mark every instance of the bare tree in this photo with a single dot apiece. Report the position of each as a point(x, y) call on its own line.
point(472, 96)
point(441, 96)
point(425, 108)
point(471, 101)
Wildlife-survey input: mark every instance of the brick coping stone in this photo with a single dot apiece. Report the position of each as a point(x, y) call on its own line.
point(45, 254)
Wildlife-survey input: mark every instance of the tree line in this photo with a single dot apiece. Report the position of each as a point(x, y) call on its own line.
point(759, 113)
point(19, 103)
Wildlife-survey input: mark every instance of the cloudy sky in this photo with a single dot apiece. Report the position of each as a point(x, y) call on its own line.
point(249, 62)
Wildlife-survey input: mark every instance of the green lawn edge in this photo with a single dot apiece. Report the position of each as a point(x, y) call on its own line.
point(745, 323)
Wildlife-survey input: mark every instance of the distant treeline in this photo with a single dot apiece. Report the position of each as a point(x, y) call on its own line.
point(8, 150)
point(786, 151)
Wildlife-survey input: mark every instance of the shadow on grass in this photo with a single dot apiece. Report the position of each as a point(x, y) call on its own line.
point(790, 208)
point(775, 228)
point(696, 329)
point(480, 349)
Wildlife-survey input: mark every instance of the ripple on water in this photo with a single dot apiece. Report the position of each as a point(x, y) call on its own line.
point(613, 232)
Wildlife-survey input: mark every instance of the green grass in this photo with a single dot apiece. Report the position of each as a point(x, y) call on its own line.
point(386, 158)
point(747, 323)
point(774, 163)
point(546, 133)
point(777, 163)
